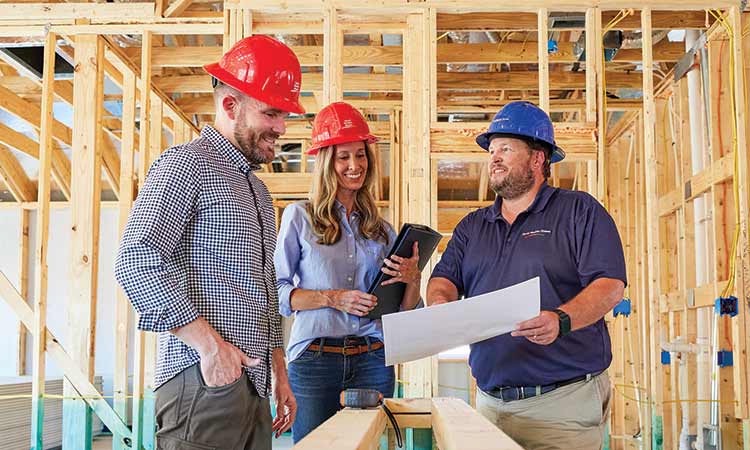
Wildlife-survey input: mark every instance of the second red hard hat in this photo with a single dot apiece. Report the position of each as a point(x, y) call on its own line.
point(339, 123)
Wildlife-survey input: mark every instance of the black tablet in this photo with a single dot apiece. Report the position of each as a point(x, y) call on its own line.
point(390, 296)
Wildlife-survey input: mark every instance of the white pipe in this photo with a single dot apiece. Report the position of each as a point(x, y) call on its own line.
point(697, 138)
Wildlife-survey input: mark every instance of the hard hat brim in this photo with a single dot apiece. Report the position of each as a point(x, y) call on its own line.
point(483, 140)
point(370, 139)
point(215, 70)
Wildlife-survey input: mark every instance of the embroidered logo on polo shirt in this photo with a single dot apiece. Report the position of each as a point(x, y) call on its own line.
point(535, 233)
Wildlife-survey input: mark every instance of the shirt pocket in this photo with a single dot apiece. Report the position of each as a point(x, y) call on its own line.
point(223, 227)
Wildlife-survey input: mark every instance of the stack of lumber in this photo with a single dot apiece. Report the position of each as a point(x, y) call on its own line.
point(15, 413)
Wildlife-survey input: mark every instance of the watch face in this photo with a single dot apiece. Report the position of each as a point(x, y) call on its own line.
point(564, 322)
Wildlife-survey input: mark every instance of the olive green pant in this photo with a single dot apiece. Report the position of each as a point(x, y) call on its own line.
point(193, 416)
point(570, 417)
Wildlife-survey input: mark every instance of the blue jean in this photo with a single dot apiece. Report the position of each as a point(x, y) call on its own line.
point(317, 379)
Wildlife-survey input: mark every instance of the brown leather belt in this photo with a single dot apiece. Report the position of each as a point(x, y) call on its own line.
point(346, 351)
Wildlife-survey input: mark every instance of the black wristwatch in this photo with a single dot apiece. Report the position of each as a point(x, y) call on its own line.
point(564, 319)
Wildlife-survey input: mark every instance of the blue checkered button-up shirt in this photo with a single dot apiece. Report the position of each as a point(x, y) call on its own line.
point(200, 242)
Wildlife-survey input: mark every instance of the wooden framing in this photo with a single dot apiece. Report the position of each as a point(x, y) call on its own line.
point(455, 425)
point(85, 192)
point(640, 170)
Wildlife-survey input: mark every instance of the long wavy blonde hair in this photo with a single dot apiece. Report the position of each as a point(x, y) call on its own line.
point(322, 205)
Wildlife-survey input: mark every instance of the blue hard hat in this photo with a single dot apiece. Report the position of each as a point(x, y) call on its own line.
point(526, 120)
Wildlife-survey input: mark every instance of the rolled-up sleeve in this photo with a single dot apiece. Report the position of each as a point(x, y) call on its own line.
point(144, 267)
point(287, 256)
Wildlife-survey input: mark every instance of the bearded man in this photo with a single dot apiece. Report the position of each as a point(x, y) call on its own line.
point(196, 261)
point(545, 384)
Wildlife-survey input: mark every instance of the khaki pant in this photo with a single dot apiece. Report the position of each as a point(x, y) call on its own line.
point(193, 416)
point(571, 417)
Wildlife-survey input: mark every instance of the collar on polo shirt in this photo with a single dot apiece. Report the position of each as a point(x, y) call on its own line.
point(540, 202)
point(227, 149)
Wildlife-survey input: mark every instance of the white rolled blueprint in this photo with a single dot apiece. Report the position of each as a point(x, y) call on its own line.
point(416, 334)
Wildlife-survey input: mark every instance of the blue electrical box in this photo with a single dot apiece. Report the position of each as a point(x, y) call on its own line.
point(666, 358)
point(727, 306)
point(724, 358)
point(552, 46)
point(622, 308)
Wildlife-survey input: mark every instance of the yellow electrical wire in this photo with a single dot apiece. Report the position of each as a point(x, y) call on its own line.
point(622, 14)
point(735, 240)
point(688, 400)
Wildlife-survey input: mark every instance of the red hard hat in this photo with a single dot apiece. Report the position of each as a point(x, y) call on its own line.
point(264, 69)
point(339, 123)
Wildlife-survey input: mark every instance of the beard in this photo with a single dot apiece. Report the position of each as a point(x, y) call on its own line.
point(517, 182)
point(249, 141)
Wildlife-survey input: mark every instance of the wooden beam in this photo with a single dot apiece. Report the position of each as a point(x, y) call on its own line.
point(578, 139)
point(145, 104)
point(543, 58)
point(333, 69)
point(520, 21)
point(23, 86)
point(57, 12)
point(73, 374)
point(177, 7)
point(457, 425)
point(123, 310)
point(361, 55)
point(88, 89)
point(23, 284)
point(740, 334)
point(697, 185)
point(348, 429)
point(311, 81)
point(19, 184)
point(652, 220)
point(18, 141)
point(446, 81)
point(38, 325)
point(286, 183)
point(30, 113)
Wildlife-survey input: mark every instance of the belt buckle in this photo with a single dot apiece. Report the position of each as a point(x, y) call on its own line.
point(351, 347)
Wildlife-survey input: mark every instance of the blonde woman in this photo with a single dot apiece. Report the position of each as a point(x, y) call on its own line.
point(329, 250)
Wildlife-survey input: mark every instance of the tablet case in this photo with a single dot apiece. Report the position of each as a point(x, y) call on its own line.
point(390, 296)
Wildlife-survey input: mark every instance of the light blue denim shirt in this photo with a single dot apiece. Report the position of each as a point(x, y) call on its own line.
point(301, 262)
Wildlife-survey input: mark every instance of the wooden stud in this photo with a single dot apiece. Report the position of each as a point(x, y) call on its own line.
point(145, 117)
point(39, 326)
point(598, 54)
point(333, 69)
point(123, 311)
point(543, 57)
point(591, 86)
point(740, 335)
point(651, 229)
point(23, 284)
point(86, 190)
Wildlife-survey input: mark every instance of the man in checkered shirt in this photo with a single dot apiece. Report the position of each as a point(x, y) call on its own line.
point(196, 261)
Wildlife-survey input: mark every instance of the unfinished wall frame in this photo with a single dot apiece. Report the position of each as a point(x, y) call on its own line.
point(640, 168)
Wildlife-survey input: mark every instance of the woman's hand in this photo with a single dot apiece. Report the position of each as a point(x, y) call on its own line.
point(353, 302)
point(403, 270)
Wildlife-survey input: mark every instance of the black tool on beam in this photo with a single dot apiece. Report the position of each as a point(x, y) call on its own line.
point(366, 399)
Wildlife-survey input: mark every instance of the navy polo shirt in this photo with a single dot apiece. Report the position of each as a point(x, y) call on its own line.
point(567, 239)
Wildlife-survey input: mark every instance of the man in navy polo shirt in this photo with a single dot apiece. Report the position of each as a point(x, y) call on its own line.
point(545, 383)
